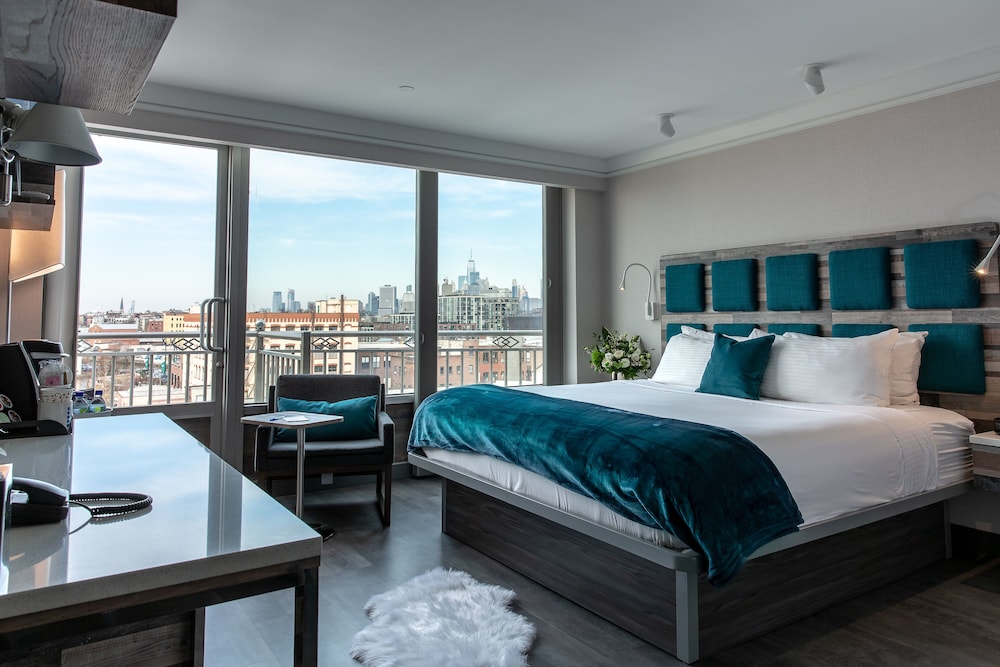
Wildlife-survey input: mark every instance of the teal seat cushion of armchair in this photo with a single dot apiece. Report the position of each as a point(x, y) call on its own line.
point(358, 414)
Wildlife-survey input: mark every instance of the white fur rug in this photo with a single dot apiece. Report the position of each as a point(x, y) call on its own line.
point(443, 618)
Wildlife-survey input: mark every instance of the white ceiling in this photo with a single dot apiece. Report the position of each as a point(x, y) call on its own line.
point(581, 81)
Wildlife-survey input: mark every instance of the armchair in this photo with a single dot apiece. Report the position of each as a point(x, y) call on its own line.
point(276, 459)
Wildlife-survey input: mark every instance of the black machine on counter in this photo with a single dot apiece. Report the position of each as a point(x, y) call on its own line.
point(20, 388)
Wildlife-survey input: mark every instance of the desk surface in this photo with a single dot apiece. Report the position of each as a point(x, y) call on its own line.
point(207, 520)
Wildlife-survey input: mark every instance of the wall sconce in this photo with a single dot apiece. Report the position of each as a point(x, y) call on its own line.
point(650, 306)
point(45, 133)
point(983, 268)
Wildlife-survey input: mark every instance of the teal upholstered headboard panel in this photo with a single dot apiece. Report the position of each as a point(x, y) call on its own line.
point(916, 279)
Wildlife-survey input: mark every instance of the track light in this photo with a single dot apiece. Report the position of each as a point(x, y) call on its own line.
point(666, 127)
point(813, 78)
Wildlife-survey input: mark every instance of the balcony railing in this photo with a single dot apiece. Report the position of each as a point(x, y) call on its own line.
point(153, 368)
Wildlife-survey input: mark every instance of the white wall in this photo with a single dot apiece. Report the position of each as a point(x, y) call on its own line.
point(934, 162)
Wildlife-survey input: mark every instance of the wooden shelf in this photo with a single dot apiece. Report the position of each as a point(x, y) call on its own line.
point(90, 54)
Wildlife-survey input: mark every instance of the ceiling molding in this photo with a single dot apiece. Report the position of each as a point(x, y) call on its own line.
point(183, 102)
point(952, 76)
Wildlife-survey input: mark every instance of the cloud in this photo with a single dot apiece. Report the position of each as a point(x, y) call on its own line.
point(297, 178)
point(135, 170)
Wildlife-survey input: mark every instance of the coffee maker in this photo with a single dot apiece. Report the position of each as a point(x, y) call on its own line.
point(20, 390)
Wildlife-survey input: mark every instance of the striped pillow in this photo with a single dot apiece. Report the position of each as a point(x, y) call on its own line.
point(843, 371)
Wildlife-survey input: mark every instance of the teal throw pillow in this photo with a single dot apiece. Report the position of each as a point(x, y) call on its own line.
point(736, 367)
point(358, 414)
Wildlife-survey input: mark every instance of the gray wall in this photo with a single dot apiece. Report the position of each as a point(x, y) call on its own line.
point(929, 163)
point(585, 242)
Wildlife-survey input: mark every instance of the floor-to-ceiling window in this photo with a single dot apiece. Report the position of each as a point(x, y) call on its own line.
point(489, 287)
point(330, 269)
point(147, 259)
point(330, 279)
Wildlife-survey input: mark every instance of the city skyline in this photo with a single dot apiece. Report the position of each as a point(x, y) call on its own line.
point(323, 226)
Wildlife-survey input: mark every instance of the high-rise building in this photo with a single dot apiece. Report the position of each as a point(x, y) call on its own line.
point(292, 306)
point(277, 305)
point(372, 307)
point(387, 300)
point(408, 302)
point(472, 284)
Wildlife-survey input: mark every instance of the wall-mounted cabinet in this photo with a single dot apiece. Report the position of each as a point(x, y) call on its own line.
point(90, 54)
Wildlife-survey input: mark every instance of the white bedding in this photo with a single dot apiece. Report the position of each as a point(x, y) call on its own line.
point(835, 459)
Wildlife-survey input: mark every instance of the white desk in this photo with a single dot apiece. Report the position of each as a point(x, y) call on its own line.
point(211, 536)
point(300, 421)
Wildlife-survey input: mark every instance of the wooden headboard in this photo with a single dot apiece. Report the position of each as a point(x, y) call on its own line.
point(981, 408)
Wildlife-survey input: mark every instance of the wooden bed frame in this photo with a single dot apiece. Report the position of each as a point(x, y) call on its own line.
point(661, 594)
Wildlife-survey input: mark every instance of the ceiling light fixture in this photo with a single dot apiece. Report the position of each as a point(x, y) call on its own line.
point(813, 78)
point(666, 127)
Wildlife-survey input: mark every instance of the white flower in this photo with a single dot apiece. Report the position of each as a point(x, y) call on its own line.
point(626, 363)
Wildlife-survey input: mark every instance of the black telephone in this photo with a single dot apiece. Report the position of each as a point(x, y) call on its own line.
point(45, 503)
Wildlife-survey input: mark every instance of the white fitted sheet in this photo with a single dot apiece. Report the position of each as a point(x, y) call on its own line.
point(835, 459)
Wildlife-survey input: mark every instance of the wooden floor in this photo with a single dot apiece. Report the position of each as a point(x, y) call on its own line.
point(946, 615)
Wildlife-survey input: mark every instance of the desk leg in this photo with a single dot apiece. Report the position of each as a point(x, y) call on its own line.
point(300, 468)
point(307, 619)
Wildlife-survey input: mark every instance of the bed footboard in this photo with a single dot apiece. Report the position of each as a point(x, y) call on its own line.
point(679, 611)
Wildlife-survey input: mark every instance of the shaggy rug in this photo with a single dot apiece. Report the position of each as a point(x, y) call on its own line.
point(443, 618)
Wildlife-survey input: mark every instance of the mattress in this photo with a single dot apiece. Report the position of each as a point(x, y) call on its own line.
point(835, 459)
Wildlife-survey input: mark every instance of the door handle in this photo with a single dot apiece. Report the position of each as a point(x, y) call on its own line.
point(208, 324)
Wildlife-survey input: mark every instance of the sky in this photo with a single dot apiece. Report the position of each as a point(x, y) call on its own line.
point(321, 226)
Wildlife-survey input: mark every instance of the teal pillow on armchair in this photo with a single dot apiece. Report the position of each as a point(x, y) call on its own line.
point(358, 414)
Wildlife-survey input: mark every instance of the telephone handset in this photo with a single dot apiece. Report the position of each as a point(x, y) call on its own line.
point(48, 503)
point(45, 503)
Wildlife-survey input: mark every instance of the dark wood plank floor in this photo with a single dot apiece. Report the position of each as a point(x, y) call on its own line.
point(946, 615)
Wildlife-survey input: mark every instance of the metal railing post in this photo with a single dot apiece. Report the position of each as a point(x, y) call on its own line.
point(307, 365)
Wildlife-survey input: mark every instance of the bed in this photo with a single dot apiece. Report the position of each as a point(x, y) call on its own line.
point(876, 510)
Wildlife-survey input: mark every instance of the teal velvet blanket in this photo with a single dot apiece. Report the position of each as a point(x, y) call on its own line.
point(709, 486)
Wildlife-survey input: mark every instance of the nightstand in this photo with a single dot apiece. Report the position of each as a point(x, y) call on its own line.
point(986, 460)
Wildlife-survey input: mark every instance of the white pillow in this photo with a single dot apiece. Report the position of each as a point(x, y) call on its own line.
point(905, 368)
point(844, 371)
point(710, 335)
point(684, 360)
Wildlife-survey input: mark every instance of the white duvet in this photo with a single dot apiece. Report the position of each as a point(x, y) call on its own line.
point(835, 459)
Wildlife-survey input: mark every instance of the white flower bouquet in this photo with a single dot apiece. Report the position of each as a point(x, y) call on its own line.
point(619, 354)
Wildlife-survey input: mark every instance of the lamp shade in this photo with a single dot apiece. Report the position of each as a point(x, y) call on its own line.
point(54, 134)
point(36, 253)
